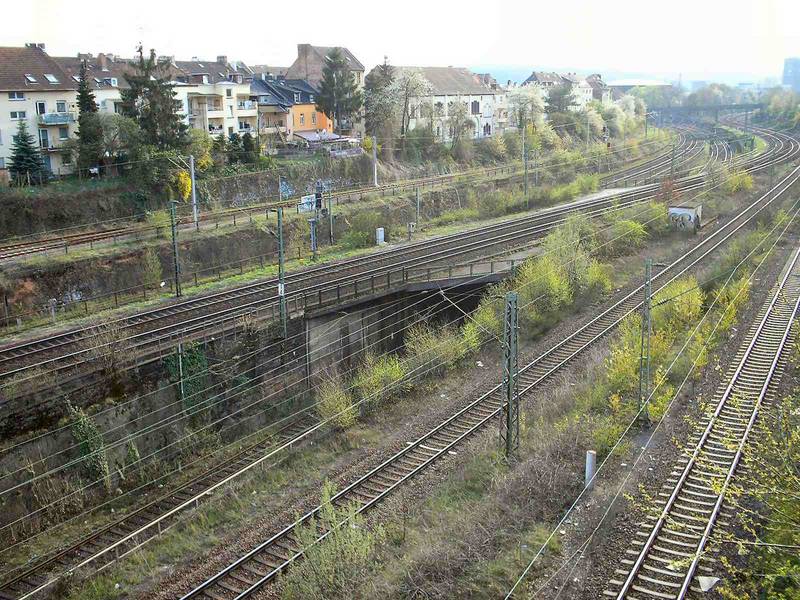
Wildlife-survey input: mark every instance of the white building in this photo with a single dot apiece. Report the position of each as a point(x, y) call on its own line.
point(35, 89)
point(450, 85)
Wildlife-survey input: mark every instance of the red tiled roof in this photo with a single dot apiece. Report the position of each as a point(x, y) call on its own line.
point(16, 62)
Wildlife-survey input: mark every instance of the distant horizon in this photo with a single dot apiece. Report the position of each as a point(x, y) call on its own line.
point(517, 74)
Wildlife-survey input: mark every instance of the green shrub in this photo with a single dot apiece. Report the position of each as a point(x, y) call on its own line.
point(379, 378)
point(335, 404)
point(363, 224)
point(455, 216)
point(152, 274)
point(738, 181)
point(598, 278)
point(432, 350)
point(160, 220)
point(340, 563)
point(91, 445)
point(626, 235)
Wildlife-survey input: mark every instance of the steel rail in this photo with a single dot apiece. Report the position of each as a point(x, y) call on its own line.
point(750, 355)
point(281, 550)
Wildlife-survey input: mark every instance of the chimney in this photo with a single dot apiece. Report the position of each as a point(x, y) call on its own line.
point(39, 45)
point(303, 54)
point(102, 62)
point(222, 59)
point(84, 56)
point(194, 58)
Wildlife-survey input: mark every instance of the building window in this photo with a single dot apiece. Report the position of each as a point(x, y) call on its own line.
point(16, 95)
point(30, 78)
point(51, 78)
point(63, 133)
point(44, 138)
point(17, 115)
point(230, 110)
point(228, 92)
point(297, 97)
point(311, 97)
point(61, 106)
point(2, 163)
point(41, 108)
point(302, 118)
point(313, 118)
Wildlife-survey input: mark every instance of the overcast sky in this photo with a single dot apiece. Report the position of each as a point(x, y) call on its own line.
point(697, 39)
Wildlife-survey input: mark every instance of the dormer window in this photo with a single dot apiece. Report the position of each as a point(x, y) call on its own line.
point(297, 97)
point(205, 78)
point(30, 78)
point(311, 97)
point(51, 78)
point(76, 78)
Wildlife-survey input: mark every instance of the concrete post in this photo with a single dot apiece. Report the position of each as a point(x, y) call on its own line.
point(591, 461)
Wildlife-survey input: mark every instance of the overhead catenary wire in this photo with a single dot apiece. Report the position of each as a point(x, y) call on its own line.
point(641, 410)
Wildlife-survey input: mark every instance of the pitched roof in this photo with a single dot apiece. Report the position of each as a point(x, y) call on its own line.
point(311, 61)
point(282, 92)
point(99, 69)
point(217, 71)
point(544, 77)
point(450, 80)
point(275, 71)
point(16, 64)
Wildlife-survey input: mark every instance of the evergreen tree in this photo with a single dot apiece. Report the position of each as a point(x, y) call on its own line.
point(339, 96)
point(86, 100)
point(26, 165)
point(90, 132)
point(250, 148)
point(560, 99)
point(235, 148)
point(151, 100)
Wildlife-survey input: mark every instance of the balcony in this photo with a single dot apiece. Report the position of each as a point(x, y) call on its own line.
point(247, 105)
point(246, 128)
point(60, 118)
point(215, 130)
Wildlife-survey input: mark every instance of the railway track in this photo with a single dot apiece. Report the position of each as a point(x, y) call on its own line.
point(669, 552)
point(253, 570)
point(122, 536)
point(63, 240)
point(151, 331)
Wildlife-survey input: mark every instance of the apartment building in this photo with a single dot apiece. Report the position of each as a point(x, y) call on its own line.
point(34, 88)
point(450, 85)
point(287, 108)
point(309, 66)
point(216, 97)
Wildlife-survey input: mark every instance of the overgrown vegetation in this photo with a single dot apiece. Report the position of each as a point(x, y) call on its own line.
point(338, 564)
point(91, 446)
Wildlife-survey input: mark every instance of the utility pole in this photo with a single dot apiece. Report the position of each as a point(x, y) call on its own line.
point(509, 424)
point(330, 218)
point(375, 160)
point(195, 211)
point(181, 388)
point(587, 130)
point(175, 262)
point(525, 163)
point(418, 206)
point(313, 223)
point(647, 327)
point(281, 273)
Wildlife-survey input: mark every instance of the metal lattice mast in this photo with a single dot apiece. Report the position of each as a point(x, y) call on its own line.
point(173, 218)
point(647, 328)
point(509, 424)
point(281, 273)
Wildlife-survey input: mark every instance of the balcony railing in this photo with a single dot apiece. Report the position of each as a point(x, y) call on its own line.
point(60, 118)
point(215, 130)
point(247, 105)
